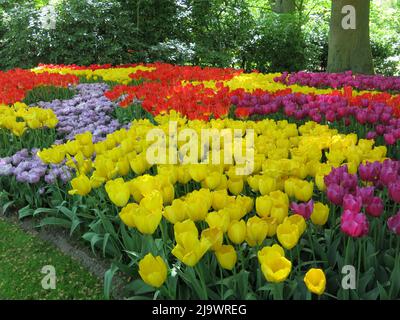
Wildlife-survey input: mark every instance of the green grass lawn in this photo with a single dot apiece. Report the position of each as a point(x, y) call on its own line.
point(22, 257)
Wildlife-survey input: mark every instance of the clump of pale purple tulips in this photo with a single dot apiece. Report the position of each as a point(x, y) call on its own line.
point(28, 168)
point(88, 110)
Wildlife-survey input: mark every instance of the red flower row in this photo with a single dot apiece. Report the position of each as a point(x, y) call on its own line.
point(14, 84)
point(173, 74)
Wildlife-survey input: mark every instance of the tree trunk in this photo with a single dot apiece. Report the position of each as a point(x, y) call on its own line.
point(349, 48)
point(283, 6)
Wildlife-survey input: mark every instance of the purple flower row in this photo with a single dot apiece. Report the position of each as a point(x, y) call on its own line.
point(329, 107)
point(340, 80)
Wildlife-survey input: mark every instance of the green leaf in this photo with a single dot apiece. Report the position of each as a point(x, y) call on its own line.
point(75, 223)
point(395, 282)
point(105, 242)
point(55, 221)
point(44, 210)
point(6, 206)
point(383, 295)
point(332, 252)
point(108, 277)
point(364, 280)
point(139, 287)
point(25, 212)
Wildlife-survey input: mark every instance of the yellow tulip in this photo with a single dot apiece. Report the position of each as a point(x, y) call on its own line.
point(257, 230)
point(118, 192)
point(197, 209)
point(315, 281)
point(215, 236)
point(176, 212)
point(191, 250)
point(237, 231)
point(253, 182)
point(297, 220)
point(183, 174)
point(152, 202)
point(139, 164)
point(235, 186)
point(290, 186)
point(84, 138)
point(245, 202)
point(272, 226)
point(213, 180)
point(270, 253)
point(304, 190)
point(220, 199)
point(279, 199)
point(226, 256)
point(153, 270)
point(220, 219)
point(80, 185)
point(54, 155)
point(198, 172)
point(126, 214)
point(123, 166)
point(288, 235)
point(276, 269)
point(184, 228)
point(320, 214)
point(168, 192)
point(146, 221)
point(236, 211)
point(319, 182)
point(279, 212)
point(266, 185)
point(264, 206)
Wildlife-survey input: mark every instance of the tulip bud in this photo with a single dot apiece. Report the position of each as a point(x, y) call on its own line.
point(320, 214)
point(153, 270)
point(226, 256)
point(237, 231)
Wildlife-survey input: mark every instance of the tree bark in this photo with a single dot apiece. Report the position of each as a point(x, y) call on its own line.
point(283, 6)
point(350, 49)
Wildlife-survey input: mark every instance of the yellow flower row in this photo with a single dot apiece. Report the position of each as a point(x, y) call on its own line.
point(119, 75)
point(259, 81)
point(19, 117)
point(283, 155)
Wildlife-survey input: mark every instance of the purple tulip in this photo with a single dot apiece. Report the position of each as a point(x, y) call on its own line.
point(366, 194)
point(375, 207)
point(394, 191)
point(394, 223)
point(335, 194)
point(352, 203)
point(303, 209)
point(354, 224)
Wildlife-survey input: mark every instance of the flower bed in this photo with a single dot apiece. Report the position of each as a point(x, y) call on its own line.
point(322, 195)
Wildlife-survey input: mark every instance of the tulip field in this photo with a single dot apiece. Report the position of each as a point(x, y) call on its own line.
point(318, 216)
